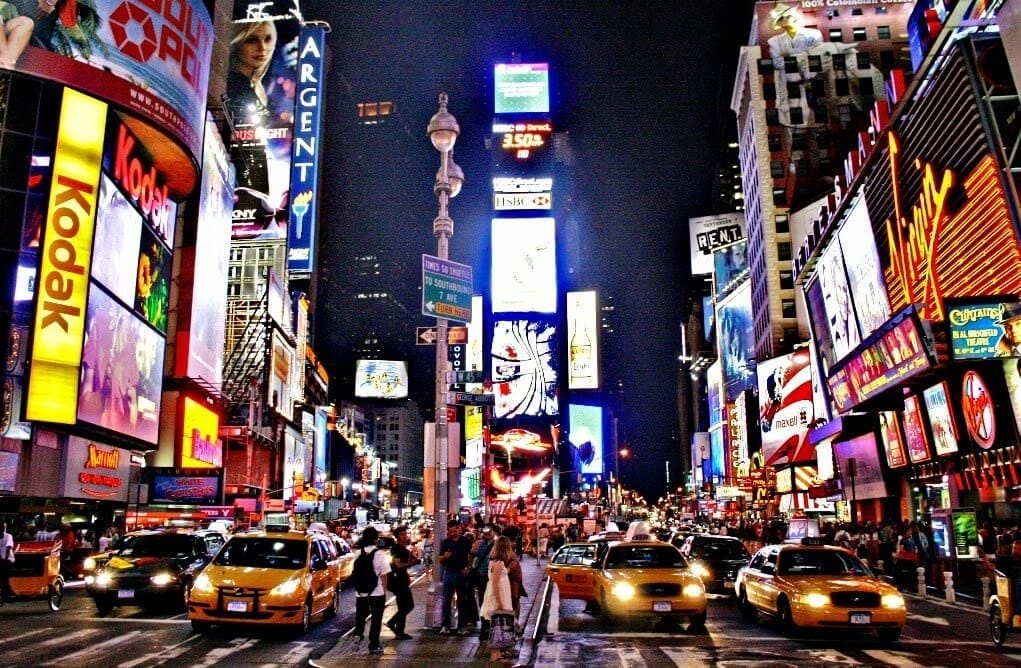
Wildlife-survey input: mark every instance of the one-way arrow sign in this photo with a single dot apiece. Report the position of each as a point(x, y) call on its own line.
point(425, 336)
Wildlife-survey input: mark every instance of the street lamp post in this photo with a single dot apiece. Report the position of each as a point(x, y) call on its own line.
point(443, 131)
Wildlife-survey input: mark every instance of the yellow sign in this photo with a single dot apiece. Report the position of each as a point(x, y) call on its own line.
point(199, 428)
point(66, 261)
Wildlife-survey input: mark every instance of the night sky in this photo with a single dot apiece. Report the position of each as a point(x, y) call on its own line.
point(642, 87)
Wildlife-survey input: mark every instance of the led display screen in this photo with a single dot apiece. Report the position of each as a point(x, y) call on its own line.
point(381, 379)
point(867, 482)
point(200, 445)
point(522, 146)
point(718, 448)
point(122, 370)
point(736, 342)
point(524, 368)
point(714, 392)
point(8, 471)
point(786, 408)
point(784, 481)
point(586, 438)
point(941, 419)
point(118, 238)
point(152, 287)
point(582, 341)
point(200, 490)
point(521, 88)
point(983, 328)
point(524, 265)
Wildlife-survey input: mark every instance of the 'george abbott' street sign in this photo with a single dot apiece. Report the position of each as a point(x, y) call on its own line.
point(446, 289)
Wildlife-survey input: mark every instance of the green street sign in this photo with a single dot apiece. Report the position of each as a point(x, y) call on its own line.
point(446, 289)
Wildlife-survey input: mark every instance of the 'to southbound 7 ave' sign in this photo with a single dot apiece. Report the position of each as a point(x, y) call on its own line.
point(446, 289)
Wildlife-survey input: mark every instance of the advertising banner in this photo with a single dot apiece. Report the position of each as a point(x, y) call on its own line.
point(941, 419)
point(737, 345)
point(582, 341)
point(730, 268)
point(65, 261)
point(381, 379)
point(282, 362)
point(524, 368)
point(868, 480)
point(521, 88)
point(786, 408)
point(893, 439)
point(586, 438)
point(914, 431)
point(200, 445)
point(524, 265)
point(983, 328)
point(192, 489)
point(308, 100)
point(710, 233)
point(93, 470)
point(8, 471)
point(149, 57)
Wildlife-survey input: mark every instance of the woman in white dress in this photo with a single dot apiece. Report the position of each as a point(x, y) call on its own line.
point(498, 593)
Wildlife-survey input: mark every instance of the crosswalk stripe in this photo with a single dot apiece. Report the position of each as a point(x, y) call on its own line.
point(92, 651)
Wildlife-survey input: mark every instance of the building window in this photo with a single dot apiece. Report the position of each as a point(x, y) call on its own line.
point(818, 87)
point(798, 141)
point(787, 309)
point(856, 11)
point(786, 280)
point(865, 87)
point(815, 63)
point(844, 114)
point(779, 196)
point(858, 33)
point(783, 251)
point(801, 167)
point(883, 32)
point(836, 35)
point(842, 87)
point(772, 118)
point(790, 65)
point(794, 91)
point(797, 116)
point(776, 169)
point(863, 60)
point(773, 141)
point(765, 66)
point(839, 62)
point(769, 91)
point(782, 224)
point(881, 10)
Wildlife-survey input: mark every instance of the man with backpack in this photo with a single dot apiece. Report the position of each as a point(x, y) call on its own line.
point(369, 576)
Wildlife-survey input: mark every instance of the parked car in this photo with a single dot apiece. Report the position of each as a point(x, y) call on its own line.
point(716, 559)
point(819, 586)
point(148, 568)
point(268, 578)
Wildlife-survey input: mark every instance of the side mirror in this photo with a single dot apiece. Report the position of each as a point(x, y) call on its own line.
point(318, 564)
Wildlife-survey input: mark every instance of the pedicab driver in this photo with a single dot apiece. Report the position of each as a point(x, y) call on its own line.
point(6, 562)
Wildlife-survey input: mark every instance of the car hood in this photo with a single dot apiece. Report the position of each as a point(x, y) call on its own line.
point(248, 577)
point(118, 564)
point(831, 583)
point(721, 563)
point(638, 575)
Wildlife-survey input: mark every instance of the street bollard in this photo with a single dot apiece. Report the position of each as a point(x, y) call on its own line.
point(948, 577)
point(985, 593)
point(921, 581)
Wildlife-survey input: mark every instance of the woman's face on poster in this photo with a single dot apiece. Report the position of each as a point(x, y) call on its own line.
point(255, 51)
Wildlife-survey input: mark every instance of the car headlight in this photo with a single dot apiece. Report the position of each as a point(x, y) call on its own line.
point(203, 583)
point(89, 564)
point(700, 570)
point(893, 601)
point(815, 600)
point(623, 591)
point(286, 588)
point(103, 579)
point(162, 579)
point(693, 590)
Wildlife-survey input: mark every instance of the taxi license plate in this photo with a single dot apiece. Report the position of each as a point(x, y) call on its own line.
point(661, 606)
point(861, 618)
point(237, 606)
point(125, 593)
point(728, 584)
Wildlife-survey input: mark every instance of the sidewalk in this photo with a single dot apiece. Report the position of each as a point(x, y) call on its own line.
point(427, 647)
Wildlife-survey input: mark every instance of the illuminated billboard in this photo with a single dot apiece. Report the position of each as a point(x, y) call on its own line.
point(730, 267)
point(281, 368)
point(305, 151)
point(982, 328)
point(710, 233)
point(786, 408)
point(122, 370)
point(836, 297)
point(864, 273)
point(118, 237)
point(941, 419)
point(582, 341)
point(736, 342)
point(524, 368)
point(867, 482)
point(201, 490)
point(914, 431)
point(893, 439)
point(381, 379)
point(524, 265)
point(200, 445)
point(520, 147)
point(521, 88)
point(586, 438)
point(94, 470)
point(152, 58)
point(260, 98)
point(65, 261)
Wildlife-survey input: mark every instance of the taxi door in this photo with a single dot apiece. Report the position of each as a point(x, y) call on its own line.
point(572, 571)
point(758, 580)
point(322, 579)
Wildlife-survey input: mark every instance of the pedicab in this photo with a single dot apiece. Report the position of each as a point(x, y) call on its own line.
point(1003, 616)
point(35, 575)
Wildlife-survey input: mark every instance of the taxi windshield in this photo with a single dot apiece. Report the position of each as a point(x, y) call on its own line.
point(719, 549)
point(820, 562)
point(645, 556)
point(263, 553)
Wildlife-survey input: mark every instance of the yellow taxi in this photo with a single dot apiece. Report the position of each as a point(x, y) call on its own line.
point(818, 586)
point(648, 578)
point(275, 577)
point(571, 570)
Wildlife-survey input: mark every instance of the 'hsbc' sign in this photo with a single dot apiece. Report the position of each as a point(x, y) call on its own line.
point(522, 202)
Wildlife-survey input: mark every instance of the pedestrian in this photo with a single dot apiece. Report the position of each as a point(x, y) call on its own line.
point(453, 558)
point(542, 549)
point(499, 598)
point(6, 562)
point(373, 602)
point(479, 579)
point(399, 581)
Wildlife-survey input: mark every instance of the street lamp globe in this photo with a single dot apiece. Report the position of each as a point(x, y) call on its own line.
point(454, 181)
point(443, 128)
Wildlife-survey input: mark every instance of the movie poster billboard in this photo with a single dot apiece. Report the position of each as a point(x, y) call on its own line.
point(836, 298)
point(981, 328)
point(864, 273)
point(708, 234)
point(786, 408)
point(915, 436)
point(893, 439)
point(261, 84)
point(736, 342)
point(730, 267)
point(524, 368)
point(941, 419)
point(152, 58)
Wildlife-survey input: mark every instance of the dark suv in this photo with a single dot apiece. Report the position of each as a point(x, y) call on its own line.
point(148, 568)
point(716, 559)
